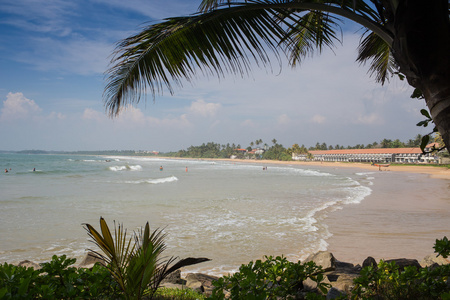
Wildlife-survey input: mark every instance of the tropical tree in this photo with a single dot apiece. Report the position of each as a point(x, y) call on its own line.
point(409, 38)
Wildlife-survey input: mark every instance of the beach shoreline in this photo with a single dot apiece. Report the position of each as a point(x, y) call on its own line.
point(433, 171)
point(395, 220)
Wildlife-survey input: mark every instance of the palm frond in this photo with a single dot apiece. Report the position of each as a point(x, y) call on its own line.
point(310, 33)
point(374, 50)
point(227, 38)
point(138, 268)
point(218, 42)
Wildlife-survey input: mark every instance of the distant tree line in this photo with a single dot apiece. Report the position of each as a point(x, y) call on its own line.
point(277, 152)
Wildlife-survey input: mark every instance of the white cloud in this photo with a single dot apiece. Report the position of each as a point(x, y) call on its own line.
point(318, 119)
point(91, 114)
point(248, 123)
point(57, 115)
point(372, 118)
point(283, 119)
point(200, 107)
point(16, 106)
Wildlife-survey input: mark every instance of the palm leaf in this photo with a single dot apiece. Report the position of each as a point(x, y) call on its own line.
point(374, 50)
point(213, 43)
point(116, 251)
point(228, 37)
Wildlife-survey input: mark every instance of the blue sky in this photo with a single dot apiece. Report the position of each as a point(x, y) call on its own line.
point(53, 55)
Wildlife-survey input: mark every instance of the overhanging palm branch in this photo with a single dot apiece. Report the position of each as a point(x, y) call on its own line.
point(226, 38)
point(373, 49)
point(137, 267)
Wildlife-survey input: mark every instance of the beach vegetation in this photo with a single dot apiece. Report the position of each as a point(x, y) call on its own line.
point(387, 281)
point(177, 294)
point(56, 279)
point(135, 263)
point(442, 247)
point(271, 278)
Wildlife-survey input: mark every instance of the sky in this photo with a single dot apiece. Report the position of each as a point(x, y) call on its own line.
point(53, 58)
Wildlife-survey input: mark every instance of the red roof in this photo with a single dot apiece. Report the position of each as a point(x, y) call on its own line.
point(369, 151)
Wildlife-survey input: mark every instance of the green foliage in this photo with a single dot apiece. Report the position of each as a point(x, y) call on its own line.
point(273, 278)
point(55, 280)
point(442, 247)
point(277, 152)
point(386, 281)
point(177, 294)
point(138, 268)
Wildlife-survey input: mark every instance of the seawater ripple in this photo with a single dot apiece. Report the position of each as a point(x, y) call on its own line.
point(229, 212)
point(154, 181)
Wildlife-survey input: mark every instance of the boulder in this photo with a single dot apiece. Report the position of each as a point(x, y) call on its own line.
point(324, 259)
point(405, 262)
point(369, 261)
point(200, 282)
point(432, 259)
point(90, 260)
point(29, 264)
point(174, 278)
point(334, 293)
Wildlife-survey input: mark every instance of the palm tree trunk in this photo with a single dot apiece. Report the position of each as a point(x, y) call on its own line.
point(421, 48)
point(437, 97)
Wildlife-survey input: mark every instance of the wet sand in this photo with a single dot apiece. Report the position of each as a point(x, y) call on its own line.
point(407, 211)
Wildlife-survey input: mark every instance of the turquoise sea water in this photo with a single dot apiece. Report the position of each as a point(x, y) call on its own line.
point(229, 212)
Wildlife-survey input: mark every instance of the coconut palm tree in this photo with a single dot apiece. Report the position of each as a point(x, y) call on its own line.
point(410, 38)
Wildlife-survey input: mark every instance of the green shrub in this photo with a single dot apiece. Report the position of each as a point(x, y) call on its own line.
point(386, 281)
point(55, 280)
point(442, 247)
point(273, 278)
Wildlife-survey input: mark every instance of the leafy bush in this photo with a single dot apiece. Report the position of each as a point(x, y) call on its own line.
point(386, 281)
point(273, 278)
point(442, 247)
point(55, 280)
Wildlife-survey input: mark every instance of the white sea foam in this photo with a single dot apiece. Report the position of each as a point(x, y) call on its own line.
point(125, 168)
point(154, 181)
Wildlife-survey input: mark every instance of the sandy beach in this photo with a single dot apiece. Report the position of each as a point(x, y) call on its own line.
point(433, 171)
point(400, 219)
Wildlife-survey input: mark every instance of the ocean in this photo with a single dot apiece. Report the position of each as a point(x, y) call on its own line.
point(229, 212)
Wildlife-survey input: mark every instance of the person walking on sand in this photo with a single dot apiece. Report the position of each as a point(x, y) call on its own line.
point(160, 168)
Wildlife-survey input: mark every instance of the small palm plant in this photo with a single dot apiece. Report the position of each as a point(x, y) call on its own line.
point(138, 267)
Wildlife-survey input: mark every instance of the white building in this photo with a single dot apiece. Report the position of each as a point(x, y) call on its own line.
point(377, 155)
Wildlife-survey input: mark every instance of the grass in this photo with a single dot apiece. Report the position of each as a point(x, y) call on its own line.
point(177, 294)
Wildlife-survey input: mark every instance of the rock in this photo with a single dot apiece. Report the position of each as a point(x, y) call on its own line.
point(405, 262)
point(90, 260)
point(334, 293)
point(174, 278)
point(369, 261)
point(200, 282)
point(324, 259)
point(29, 264)
point(431, 259)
